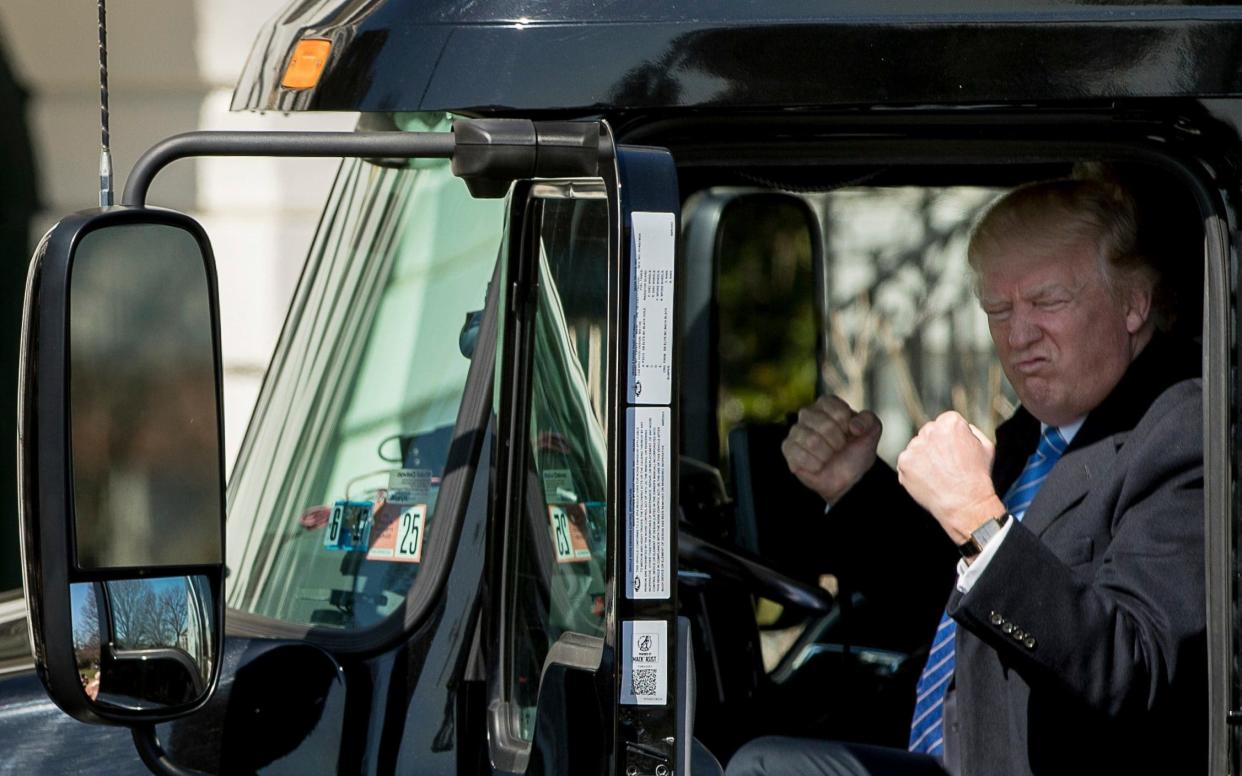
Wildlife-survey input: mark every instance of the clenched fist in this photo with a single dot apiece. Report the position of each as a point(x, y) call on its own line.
point(831, 446)
point(947, 469)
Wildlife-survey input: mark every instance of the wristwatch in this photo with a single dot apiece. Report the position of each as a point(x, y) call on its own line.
point(982, 535)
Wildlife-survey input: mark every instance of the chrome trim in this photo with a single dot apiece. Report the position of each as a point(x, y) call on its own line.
point(1218, 423)
point(569, 188)
point(23, 399)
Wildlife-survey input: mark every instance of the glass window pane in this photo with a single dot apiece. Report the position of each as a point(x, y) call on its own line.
point(337, 483)
point(143, 403)
point(559, 544)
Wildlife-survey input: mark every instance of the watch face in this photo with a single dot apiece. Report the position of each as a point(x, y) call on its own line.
point(984, 533)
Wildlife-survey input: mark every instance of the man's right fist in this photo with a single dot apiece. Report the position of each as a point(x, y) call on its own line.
point(831, 447)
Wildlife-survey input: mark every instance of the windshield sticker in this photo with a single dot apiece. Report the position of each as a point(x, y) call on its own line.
point(644, 667)
point(409, 486)
point(652, 242)
point(569, 532)
point(647, 502)
point(349, 526)
point(558, 486)
point(399, 534)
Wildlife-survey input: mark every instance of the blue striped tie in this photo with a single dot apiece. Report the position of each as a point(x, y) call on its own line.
point(927, 728)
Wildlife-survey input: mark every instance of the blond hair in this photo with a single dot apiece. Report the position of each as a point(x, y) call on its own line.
point(1055, 214)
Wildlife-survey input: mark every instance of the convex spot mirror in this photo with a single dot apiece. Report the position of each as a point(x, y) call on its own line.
point(121, 465)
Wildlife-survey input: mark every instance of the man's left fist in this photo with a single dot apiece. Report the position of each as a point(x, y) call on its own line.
point(947, 468)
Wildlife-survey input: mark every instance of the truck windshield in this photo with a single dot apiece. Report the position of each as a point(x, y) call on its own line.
point(335, 487)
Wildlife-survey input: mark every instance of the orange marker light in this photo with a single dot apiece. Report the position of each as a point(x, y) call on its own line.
point(306, 64)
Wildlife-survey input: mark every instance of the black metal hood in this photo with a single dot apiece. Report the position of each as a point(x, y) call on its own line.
point(596, 57)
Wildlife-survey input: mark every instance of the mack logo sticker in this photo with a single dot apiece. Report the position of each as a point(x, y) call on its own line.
point(653, 241)
point(648, 507)
point(349, 526)
point(644, 664)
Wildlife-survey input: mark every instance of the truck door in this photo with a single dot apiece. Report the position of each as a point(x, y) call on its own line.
point(579, 639)
point(581, 602)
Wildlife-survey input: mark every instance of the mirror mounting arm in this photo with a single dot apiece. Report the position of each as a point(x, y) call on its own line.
point(307, 144)
point(488, 154)
point(153, 755)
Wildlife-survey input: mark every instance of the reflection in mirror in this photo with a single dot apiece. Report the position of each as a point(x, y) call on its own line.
point(144, 644)
point(147, 484)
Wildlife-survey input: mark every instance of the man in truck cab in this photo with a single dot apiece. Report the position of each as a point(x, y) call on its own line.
point(1073, 639)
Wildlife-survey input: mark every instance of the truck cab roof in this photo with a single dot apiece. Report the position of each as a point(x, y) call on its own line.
point(587, 59)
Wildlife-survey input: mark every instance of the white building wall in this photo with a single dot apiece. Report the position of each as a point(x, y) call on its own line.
point(171, 66)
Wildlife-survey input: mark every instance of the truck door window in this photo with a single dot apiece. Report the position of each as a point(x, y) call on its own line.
point(335, 488)
point(881, 313)
point(557, 546)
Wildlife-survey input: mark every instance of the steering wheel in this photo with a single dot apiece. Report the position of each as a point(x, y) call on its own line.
point(748, 570)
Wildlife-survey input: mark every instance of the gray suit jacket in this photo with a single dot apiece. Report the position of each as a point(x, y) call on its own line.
point(1081, 648)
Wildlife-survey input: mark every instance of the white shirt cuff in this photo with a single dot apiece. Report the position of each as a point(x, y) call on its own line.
point(967, 575)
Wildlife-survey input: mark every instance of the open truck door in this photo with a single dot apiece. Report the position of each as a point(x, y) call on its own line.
point(565, 436)
point(584, 674)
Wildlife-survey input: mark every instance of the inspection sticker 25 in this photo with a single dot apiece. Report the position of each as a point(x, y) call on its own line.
point(569, 532)
point(400, 534)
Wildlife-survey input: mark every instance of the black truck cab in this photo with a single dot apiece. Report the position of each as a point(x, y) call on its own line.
point(511, 499)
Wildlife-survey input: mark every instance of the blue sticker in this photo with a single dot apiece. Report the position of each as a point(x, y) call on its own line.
point(349, 527)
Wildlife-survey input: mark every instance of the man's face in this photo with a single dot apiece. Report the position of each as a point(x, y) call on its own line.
point(1063, 338)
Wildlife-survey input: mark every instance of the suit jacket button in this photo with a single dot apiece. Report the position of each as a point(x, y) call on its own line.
point(1007, 628)
point(1030, 642)
point(1018, 635)
point(997, 619)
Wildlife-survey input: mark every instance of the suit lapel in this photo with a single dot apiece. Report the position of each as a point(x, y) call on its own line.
point(1069, 482)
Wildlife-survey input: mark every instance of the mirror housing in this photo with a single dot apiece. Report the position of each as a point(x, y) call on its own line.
point(121, 465)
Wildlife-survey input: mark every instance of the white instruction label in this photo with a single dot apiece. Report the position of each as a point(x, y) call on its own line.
point(558, 486)
point(647, 502)
point(409, 486)
point(644, 664)
point(652, 244)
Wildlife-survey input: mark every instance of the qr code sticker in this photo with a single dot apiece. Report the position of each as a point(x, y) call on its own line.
point(644, 681)
point(644, 663)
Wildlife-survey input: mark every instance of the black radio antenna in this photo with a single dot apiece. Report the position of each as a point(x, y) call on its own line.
point(105, 153)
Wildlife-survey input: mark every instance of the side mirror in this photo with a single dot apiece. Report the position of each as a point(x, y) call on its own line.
point(121, 465)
